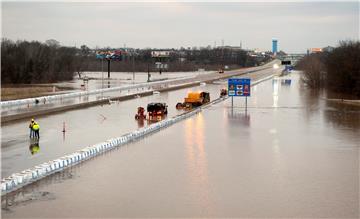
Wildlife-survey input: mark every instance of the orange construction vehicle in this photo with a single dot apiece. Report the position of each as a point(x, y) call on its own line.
point(194, 99)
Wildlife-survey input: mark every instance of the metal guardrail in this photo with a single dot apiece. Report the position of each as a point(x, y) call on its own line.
point(51, 98)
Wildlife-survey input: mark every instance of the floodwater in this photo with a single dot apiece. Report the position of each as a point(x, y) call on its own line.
point(84, 127)
point(290, 154)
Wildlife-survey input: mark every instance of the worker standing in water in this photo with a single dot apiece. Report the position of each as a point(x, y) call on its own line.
point(32, 133)
point(36, 129)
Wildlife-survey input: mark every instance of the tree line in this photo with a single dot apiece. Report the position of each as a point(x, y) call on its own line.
point(37, 62)
point(337, 70)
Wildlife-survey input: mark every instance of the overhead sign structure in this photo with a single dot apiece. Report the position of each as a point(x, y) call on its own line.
point(239, 87)
point(160, 65)
point(110, 55)
point(160, 54)
point(113, 55)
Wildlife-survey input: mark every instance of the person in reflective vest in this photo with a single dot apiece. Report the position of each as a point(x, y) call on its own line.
point(36, 129)
point(32, 133)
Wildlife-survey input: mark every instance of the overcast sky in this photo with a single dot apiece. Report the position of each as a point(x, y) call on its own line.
point(296, 25)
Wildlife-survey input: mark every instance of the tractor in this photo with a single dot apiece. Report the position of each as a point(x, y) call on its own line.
point(156, 110)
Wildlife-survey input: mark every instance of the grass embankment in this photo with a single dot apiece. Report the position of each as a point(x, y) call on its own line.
point(9, 92)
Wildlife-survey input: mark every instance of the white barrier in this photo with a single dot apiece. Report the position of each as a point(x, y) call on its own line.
point(49, 99)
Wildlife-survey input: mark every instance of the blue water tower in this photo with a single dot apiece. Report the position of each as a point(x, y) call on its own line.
point(274, 46)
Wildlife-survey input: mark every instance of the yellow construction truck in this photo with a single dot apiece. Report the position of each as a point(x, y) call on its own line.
point(194, 99)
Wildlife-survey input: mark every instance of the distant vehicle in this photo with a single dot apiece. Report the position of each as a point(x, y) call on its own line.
point(221, 71)
point(157, 109)
point(194, 99)
point(223, 92)
point(140, 113)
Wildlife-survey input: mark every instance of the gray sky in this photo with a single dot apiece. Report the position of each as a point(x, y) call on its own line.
point(296, 25)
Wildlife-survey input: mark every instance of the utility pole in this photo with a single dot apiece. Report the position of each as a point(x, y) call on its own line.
point(102, 75)
point(133, 66)
point(108, 68)
point(222, 51)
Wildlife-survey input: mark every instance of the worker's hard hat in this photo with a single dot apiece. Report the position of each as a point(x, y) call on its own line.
point(32, 120)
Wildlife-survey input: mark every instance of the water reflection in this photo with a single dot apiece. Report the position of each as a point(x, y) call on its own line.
point(285, 82)
point(239, 118)
point(34, 146)
point(140, 122)
point(338, 114)
point(275, 84)
point(33, 193)
point(197, 160)
point(310, 99)
point(342, 115)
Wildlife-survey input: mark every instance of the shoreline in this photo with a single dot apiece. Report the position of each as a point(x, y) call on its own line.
point(345, 101)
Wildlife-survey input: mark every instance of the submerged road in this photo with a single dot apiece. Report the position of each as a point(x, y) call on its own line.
point(291, 155)
point(86, 127)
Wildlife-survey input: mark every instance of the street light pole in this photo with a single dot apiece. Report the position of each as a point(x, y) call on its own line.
point(133, 60)
point(102, 74)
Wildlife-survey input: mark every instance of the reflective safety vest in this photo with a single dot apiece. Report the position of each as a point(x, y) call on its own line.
point(36, 127)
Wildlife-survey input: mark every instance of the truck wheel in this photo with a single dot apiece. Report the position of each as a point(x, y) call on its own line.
point(179, 105)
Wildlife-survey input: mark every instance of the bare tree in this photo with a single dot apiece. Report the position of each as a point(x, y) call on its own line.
point(313, 71)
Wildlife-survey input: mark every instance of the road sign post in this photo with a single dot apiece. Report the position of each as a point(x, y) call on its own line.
point(239, 87)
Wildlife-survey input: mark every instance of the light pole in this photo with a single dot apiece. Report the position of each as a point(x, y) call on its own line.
point(102, 75)
point(133, 66)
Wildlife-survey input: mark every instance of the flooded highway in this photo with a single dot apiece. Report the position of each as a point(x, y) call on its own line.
point(83, 127)
point(87, 126)
point(291, 154)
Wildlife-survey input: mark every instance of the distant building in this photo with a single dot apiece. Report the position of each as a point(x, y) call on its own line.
point(328, 49)
point(314, 50)
point(274, 46)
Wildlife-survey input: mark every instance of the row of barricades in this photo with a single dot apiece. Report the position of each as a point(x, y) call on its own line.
point(18, 180)
point(51, 98)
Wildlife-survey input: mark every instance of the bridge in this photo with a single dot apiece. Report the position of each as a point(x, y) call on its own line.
point(292, 58)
